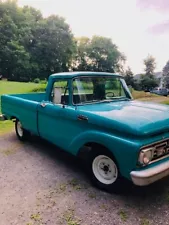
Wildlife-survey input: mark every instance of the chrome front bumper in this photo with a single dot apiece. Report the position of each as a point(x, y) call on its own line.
point(150, 175)
point(2, 118)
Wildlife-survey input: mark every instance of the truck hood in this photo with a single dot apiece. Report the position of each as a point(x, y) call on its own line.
point(132, 117)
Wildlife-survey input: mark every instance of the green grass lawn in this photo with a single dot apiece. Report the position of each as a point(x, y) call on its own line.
point(142, 94)
point(7, 87)
point(146, 96)
point(6, 127)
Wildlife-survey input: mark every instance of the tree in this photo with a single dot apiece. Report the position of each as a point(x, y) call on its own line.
point(52, 46)
point(148, 80)
point(104, 55)
point(150, 66)
point(8, 30)
point(147, 83)
point(33, 46)
point(19, 62)
point(166, 74)
point(81, 59)
point(98, 54)
point(129, 78)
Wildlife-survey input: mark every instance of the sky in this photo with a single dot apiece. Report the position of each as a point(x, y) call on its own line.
point(138, 27)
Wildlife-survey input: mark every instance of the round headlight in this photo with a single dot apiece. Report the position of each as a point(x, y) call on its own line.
point(146, 160)
point(145, 156)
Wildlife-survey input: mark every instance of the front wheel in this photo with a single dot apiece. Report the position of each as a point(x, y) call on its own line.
point(21, 133)
point(104, 171)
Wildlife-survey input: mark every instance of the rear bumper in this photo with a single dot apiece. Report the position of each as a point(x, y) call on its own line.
point(150, 175)
point(3, 117)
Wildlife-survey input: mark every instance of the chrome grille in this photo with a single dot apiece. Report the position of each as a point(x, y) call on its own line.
point(160, 149)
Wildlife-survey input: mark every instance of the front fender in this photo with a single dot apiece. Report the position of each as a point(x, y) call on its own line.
point(124, 150)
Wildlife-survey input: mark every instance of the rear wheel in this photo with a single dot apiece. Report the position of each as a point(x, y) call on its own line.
point(103, 171)
point(21, 133)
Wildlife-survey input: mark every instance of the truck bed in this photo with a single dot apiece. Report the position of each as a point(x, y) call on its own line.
point(37, 97)
point(22, 107)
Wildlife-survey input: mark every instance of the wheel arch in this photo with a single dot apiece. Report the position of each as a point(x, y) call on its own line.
point(13, 118)
point(89, 147)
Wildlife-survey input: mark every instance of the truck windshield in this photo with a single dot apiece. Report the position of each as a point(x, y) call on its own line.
point(97, 89)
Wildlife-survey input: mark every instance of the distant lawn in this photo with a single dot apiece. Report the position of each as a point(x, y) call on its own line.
point(7, 87)
point(165, 102)
point(146, 96)
point(143, 94)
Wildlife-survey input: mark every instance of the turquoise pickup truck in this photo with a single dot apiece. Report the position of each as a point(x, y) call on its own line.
point(92, 115)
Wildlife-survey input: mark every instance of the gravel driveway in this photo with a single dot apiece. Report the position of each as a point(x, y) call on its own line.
point(40, 184)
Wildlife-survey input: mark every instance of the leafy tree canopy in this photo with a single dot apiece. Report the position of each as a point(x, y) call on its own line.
point(166, 74)
point(34, 47)
point(129, 77)
point(150, 65)
point(97, 54)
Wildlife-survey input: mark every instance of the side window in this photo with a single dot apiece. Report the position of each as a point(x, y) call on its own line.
point(60, 92)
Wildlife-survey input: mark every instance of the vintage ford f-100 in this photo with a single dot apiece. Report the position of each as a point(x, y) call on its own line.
point(92, 115)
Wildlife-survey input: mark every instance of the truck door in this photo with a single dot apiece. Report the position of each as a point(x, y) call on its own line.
point(50, 117)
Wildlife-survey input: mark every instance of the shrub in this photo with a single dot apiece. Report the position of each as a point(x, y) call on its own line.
point(43, 81)
point(37, 80)
point(39, 89)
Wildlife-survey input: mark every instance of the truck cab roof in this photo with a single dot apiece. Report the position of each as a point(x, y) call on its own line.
point(82, 73)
